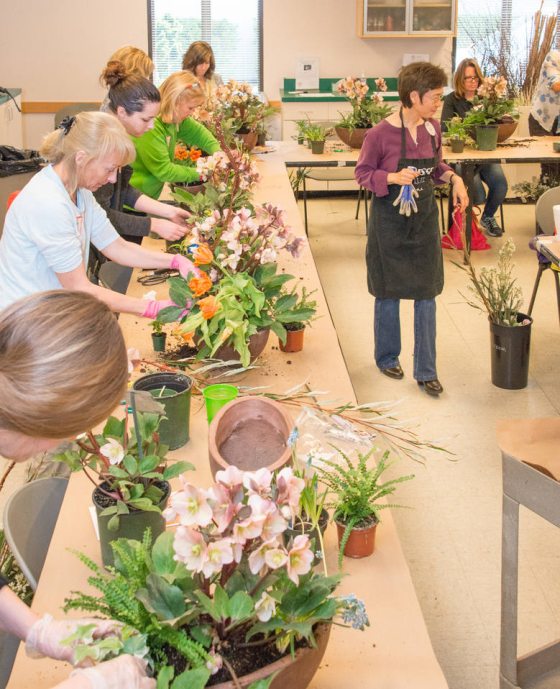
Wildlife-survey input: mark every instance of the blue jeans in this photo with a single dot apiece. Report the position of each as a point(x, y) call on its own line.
point(387, 333)
point(493, 176)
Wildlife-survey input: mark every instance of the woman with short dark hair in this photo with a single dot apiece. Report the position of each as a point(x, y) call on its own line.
point(400, 161)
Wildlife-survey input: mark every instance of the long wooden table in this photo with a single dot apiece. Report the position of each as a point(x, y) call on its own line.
point(395, 652)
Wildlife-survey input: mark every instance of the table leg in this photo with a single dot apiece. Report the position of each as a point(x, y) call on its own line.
point(468, 179)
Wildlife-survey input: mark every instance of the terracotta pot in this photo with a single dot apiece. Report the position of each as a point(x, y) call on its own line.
point(294, 341)
point(257, 343)
point(296, 672)
point(361, 542)
point(259, 425)
point(506, 129)
point(351, 137)
point(249, 140)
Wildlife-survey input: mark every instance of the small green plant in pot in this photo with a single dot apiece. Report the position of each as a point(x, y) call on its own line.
point(458, 134)
point(305, 308)
point(301, 126)
point(357, 498)
point(158, 336)
point(317, 135)
point(131, 474)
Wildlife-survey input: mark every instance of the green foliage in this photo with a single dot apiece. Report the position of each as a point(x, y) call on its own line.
point(531, 191)
point(495, 290)
point(126, 471)
point(455, 128)
point(367, 115)
point(357, 490)
point(128, 641)
point(486, 111)
point(10, 570)
point(317, 132)
point(124, 590)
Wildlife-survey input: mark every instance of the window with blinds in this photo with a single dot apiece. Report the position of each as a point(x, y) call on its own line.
point(233, 29)
point(497, 33)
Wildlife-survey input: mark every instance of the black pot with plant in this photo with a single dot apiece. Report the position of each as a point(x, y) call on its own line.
point(159, 337)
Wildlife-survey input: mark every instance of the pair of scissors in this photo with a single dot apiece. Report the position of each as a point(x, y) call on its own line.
point(157, 276)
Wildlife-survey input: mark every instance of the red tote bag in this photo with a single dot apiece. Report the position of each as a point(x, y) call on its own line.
point(452, 240)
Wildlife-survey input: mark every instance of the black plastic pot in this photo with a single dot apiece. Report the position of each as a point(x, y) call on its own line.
point(158, 341)
point(317, 147)
point(131, 525)
point(304, 527)
point(457, 145)
point(176, 398)
point(510, 349)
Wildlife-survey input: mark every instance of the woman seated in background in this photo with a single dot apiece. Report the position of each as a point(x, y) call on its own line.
point(199, 60)
point(181, 94)
point(135, 60)
point(466, 81)
point(43, 338)
point(49, 226)
point(134, 101)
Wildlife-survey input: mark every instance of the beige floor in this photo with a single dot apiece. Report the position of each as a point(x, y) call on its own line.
point(451, 536)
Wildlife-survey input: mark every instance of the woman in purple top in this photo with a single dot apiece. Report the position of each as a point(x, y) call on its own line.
point(399, 162)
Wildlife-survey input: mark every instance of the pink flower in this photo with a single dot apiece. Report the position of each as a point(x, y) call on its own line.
point(256, 558)
point(248, 528)
point(214, 662)
point(274, 525)
point(300, 558)
point(289, 488)
point(258, 481)
point(276, 558)
point(190, 548)
point(223, 509)
point(218, 554)
point(191, 506)
point(265, 607)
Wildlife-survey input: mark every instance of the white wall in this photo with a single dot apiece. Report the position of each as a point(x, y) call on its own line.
point(55, 51)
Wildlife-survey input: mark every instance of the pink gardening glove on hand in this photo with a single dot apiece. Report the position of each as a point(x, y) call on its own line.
point(184, 266)
point(153, 307)
point(45, 636)
point(124, 672)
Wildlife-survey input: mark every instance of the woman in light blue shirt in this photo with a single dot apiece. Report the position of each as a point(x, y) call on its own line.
point(49, 227)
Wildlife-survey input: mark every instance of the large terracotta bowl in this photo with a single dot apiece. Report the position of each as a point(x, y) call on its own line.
point(242, 412)
point(249, 140)
point(506, 129)
point(351, 137)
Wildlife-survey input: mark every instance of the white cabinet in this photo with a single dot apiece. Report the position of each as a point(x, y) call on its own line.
point(316, 112)
point(11, 132)
point(394, 18)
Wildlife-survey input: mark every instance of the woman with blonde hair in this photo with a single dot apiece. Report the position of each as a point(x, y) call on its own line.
point(135, 102)
point(42, 338)
point(466, 80)
point(199, 60)
point(181, 93)
point(49, 226)
point(135, 60)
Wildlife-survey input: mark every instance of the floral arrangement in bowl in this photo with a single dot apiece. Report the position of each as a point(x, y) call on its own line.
point(491, 104)
point(366, 112)
point(239, 108)
point(225, 585)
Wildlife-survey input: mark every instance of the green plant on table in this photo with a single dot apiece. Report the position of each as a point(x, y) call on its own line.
point(224, 581)
point(301, 304)
point(157, 327)
point(317, 132)
point(301, 126)
point(495, 289)
point(357, 490)
point(457, 129)
point(114, 463)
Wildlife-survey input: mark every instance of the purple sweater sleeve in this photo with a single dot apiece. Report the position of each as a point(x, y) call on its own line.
point(381, 152)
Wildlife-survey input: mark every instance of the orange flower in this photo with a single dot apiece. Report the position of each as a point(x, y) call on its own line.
point(208, 307)
point(181, 153)
point(195, 154)
point(203, 255)
point(200, 285)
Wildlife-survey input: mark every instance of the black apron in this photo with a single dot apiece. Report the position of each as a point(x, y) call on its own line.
point(403, 254)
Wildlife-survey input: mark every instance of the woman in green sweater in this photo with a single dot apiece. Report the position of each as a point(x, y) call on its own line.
point(155, 164)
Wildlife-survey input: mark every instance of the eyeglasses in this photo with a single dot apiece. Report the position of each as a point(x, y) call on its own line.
point(435, 99)
point(471, 79)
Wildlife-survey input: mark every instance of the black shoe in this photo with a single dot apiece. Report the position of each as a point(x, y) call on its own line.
point(432, 387)
point(491, 227)
point(395, 372)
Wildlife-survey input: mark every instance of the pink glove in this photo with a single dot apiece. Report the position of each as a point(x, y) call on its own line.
point(153, 307)
point(124, 671)
point(184, 266)
point(45, 636)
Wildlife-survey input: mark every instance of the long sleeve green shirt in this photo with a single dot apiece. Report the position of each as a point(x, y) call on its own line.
point(155, 153)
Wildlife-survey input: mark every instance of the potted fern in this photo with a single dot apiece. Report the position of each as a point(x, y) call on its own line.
point(317, 135)
point(357, 492)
